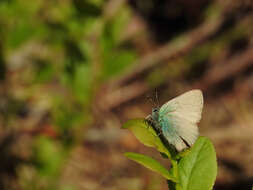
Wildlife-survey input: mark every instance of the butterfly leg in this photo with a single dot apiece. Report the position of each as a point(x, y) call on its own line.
point(159, 133)
point(149, 121)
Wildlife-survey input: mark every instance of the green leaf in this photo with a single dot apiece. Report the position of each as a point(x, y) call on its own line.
point(198, 169)
point(146, 134)
point(48, 156)
point(151, 164)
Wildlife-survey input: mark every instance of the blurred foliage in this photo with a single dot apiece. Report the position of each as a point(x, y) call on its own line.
point(53, 56)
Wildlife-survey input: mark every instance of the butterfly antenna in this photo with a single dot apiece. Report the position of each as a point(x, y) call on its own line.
point(156, 97)
point(150, 99)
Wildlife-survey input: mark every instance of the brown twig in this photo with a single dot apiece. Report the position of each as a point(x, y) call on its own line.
point(178, 47)
point(221, 72)
point(126, 87)
point(113, 98)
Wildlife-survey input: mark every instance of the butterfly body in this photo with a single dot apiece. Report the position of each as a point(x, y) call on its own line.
point(177, 119)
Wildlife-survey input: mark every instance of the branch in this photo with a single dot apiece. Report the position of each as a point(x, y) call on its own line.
point(223, 71)
point(177, 47)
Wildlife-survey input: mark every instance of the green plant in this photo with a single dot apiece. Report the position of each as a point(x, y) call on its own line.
point(192, 169)
point(65, 50)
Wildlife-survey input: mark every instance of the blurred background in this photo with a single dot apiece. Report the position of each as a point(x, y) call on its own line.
point(72, 71)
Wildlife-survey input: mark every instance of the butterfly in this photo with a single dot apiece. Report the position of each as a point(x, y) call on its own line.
point(177, 119)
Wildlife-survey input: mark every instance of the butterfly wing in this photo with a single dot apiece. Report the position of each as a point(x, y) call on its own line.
point(179, 118)
point(171, 134)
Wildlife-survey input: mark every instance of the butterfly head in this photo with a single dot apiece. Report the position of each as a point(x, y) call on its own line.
point(155, 113)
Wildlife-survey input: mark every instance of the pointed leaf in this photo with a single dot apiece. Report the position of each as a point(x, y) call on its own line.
point(151, 164)
point(146, 134)
point(198, 169)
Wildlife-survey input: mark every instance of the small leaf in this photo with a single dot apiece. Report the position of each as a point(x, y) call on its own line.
point(151, 164)
point(198, 169)
point(146, 134)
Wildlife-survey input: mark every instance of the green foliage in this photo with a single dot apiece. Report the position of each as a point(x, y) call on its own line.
point(57, 53)
point(48, 157)
point(199, 163)
point(195, 168)
point(115, 56)
point(146, 135)
point(150, 164)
